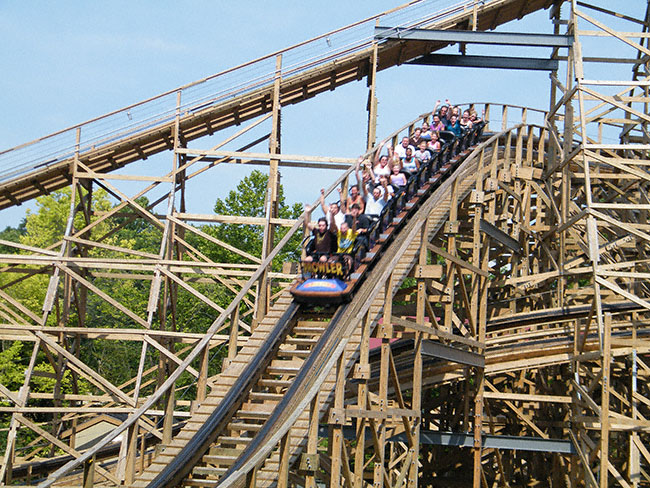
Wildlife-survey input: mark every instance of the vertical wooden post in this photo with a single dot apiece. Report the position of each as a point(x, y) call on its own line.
point(575, 396)
point(168, 421)
point(385, 333)
point(452, 229)
point(475, 16)
point(477, 300)
point(202, 381)
point(310, 458)
point(478, 427)
point(166, 250)
point(606, 357)
point(634, 466)
point(89, 473)
point(337, 420)
point(565, 188)
point(271, 211)
point(416, 400)
point(283, 470)
point(10, 453)
point(132, 436)
point(143, 450)
point(372, 99)
point(233, 337)
point(421, 282)
point(362, 375)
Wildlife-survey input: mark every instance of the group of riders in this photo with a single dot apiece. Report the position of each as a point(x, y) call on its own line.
point(342, 235)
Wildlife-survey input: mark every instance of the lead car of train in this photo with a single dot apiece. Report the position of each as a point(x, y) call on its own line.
point(334, 282)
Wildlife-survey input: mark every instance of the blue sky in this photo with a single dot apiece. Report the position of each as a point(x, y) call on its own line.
point(67, 62)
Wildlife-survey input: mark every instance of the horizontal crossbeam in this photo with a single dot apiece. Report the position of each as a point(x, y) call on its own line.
point(473, 37)
point(440, 351)
point(460, 439)
point(502, 62)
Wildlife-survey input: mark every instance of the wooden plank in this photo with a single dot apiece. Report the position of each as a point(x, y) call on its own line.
point(233, 219)
point(457, 260)
point(432, 330)
point(427, 271)
point(63, 446)
point(265, 156)
point(526, 397)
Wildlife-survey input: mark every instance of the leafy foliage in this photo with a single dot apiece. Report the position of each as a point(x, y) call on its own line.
point(12, 365)
point(118, 361)
point(249, 200)
point(12, 234)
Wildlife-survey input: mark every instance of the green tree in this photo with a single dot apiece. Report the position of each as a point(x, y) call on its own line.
point(46, 225)
point(248, 200)
point(118, 360)
point(12, 234)
point(12, 365)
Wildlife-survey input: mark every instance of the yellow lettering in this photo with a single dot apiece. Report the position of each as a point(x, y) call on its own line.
point(322, 268)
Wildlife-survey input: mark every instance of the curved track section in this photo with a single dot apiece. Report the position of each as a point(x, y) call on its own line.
point(522, 267)
point(340, 340)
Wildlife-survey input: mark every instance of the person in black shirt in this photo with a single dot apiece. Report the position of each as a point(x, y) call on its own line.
point(323, 243)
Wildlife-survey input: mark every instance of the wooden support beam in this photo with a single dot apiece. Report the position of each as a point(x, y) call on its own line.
point(458, 261)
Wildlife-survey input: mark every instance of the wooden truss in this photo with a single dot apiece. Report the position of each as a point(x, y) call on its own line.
point(510, 314)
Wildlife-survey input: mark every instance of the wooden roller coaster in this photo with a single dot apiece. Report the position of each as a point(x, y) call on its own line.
point(500, 339)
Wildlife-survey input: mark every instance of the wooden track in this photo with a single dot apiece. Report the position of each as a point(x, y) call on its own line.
point(224, 381)
point(255, 409)
point(538, 344)
point(240, 108)
point(577, 213)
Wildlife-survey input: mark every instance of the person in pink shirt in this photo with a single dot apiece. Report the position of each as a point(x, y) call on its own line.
point(434, 143)
point(436, 125)
point(397, 178)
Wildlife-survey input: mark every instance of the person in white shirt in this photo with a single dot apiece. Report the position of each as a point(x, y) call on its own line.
point(334, 210)
point(376, 201)
point(400, 150)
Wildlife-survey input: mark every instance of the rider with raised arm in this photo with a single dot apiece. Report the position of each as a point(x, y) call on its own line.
point(323, 242)
point(376, 200)
point(355, 197)
point(333, 212)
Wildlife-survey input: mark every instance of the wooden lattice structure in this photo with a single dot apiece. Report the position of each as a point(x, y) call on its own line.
point(510, 313)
